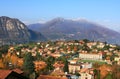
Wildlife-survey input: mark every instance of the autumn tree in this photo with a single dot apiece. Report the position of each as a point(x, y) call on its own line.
point(116, 71)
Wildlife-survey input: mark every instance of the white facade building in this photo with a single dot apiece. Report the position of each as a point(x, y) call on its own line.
point(90, 56)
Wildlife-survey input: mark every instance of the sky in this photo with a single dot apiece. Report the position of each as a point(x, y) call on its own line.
point(104, 12)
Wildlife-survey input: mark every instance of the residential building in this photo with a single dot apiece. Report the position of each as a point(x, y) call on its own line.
point(86, 73)
point(116, 58)
point(74, 68)
point(77, 67)
point(90, 56)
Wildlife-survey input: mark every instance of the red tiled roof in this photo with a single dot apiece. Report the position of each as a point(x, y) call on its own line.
point(84, 70)
point(18, 71)
point(50, 77)
point(5, 73)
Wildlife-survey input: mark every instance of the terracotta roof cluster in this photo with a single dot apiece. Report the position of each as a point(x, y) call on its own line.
point(84, 70)
point(58, 72)
point(5, 73)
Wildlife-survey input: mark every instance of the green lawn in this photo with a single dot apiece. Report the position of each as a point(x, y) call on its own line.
point(93, 61)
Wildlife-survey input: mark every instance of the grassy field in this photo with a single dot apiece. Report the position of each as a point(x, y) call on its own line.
point(93, 61)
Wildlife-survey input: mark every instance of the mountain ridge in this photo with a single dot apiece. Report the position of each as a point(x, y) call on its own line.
point(13, 31)
point(60, 28)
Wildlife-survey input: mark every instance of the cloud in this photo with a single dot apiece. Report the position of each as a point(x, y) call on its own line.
point(32, 22)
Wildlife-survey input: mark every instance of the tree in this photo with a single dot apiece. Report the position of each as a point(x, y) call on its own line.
point(77, 74)
point(96, 74)
point(96, 65)
point(64, 60)
point(28, 64)
point(38, 56)
point(109, 76)
point(0, 54)
point(86, 48)
point(76, 41)
point(50, 61)
point(116, 71)
point(106, 47)
point(4, 49)
point(117, 47)
point(18, 48)
point(66, 66)
point(86, 40)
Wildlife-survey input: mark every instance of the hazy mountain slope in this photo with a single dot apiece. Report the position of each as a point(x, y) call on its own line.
point(36, 36)
point(60, 28)
point(37, 26)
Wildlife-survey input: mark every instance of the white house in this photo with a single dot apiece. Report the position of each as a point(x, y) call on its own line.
point(90, 56)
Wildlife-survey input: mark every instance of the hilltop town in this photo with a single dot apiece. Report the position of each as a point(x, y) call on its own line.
point(77, 59)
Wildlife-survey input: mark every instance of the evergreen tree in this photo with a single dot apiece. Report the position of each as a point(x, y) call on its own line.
point(28, 64)
point(50, 61)
point(66, 66)
point(64, 60)
point(4, 49)
point(38, 56)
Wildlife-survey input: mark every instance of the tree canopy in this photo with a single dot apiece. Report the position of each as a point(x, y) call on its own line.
point(28, 65)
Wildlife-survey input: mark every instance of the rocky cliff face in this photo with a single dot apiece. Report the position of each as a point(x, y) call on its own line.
point(13, 31)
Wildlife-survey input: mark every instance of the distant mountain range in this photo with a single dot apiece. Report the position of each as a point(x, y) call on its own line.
point(60, 28)
point(13, 31)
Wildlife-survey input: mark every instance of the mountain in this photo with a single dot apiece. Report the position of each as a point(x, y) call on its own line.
point(36, 26)
point(14, 31)
point(60, 28)
point(36, 36)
